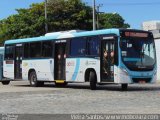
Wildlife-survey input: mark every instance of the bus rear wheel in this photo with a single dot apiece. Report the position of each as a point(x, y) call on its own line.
point(93, 80)
point(5, 82)
point(33, 80)
point(124, 87)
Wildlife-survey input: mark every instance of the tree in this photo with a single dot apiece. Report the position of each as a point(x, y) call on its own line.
point(112, 20)
point(27, 23)
point(69, 14)
point(62, 15)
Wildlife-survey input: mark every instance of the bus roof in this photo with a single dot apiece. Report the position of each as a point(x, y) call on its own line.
point(64, 35)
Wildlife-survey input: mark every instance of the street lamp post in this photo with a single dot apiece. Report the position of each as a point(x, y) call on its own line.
point(94, 15)
point(46, 25)
point(98, 12)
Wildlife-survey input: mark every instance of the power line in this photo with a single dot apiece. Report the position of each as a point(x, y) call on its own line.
point(132, 4)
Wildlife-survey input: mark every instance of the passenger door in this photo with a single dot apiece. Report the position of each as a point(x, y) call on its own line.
point(60, 61)
point(107, 59)
point(18, 61)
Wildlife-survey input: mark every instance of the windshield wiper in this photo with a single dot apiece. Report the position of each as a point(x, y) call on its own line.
point(142, 56)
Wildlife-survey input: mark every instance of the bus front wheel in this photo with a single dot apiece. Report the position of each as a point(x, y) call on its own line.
point(124, 87)
point(93, 80)
point(5, 82)
point(33, 80)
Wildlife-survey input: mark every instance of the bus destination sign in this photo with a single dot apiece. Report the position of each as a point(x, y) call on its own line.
point(136, 34)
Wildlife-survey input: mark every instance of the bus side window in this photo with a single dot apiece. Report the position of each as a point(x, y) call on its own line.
point(93, 46)
point(9, 52)
point(26, 50)
point(78, 46)
point(47, 48)
point(35, 50)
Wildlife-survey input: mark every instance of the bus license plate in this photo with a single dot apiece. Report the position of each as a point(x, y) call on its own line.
point(142, 81)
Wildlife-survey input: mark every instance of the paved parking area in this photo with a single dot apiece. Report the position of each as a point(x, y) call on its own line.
point(20, 98)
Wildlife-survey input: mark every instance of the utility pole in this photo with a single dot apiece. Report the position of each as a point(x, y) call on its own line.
point(100, 5)
point(46, 25)
point(94, 15)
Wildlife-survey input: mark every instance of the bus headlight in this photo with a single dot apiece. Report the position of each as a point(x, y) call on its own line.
point(154, 77)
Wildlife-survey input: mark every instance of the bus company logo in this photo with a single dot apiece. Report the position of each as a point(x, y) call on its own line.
point(87, 62)
point(25, 64)
point(90, 63)
point(70, 63)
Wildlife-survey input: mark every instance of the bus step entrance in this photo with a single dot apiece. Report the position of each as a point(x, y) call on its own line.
point(107, 80)
point(60, 81)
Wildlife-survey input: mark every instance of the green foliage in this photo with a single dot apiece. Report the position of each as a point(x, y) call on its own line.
point(112, 20)
point(27, 23)
point(69, 14)
point(62, 15)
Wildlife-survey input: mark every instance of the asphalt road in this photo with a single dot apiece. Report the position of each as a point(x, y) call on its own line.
point(20, 98)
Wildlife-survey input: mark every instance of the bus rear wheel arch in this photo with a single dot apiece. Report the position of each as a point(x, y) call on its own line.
point(33, 79)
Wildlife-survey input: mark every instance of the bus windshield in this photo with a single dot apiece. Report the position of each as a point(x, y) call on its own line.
point(138, 53)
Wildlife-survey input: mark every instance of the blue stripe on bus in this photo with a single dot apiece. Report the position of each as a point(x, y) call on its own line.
point(132, 59)
point(74, 76)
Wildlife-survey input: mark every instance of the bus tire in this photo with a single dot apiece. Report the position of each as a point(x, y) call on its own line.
point(33, 80)
point(124, 87)
point(93, 80)
point(5, 82)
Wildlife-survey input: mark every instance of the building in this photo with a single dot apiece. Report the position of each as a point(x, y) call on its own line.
point(154, 27)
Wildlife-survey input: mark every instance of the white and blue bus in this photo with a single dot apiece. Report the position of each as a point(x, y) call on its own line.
point(121, 56)
point(1, 62)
